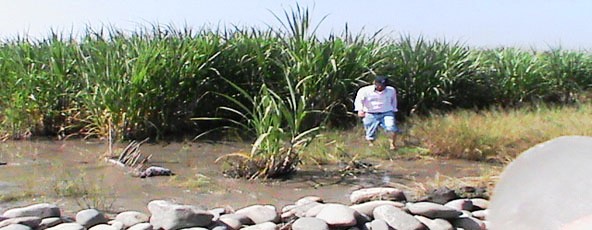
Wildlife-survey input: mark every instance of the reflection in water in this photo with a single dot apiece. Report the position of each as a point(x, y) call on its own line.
point(65, 171)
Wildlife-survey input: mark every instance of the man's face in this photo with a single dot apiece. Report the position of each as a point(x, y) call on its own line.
point(379, 87)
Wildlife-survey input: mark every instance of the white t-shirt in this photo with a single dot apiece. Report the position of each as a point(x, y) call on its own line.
point(371, 101)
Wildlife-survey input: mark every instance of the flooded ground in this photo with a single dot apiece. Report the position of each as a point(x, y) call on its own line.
point(74, 174)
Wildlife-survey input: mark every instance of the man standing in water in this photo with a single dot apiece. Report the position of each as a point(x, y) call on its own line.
point(377, 105)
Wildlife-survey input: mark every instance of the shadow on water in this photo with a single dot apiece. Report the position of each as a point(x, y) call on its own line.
point(75, 175)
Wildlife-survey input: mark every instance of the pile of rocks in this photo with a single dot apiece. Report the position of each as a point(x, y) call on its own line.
point(371, 208)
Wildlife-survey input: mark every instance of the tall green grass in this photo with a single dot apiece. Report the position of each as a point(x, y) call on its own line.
point(152, 81)
point(427, 74)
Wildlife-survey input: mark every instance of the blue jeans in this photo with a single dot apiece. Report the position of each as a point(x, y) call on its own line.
point(372, 120)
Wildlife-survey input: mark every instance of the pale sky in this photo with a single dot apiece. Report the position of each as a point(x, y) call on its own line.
point(479, 23)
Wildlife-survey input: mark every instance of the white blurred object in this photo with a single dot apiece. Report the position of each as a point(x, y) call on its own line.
point(547, 187)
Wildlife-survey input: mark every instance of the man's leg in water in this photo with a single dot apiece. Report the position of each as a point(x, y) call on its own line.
point(389, 124)
point(370, 127)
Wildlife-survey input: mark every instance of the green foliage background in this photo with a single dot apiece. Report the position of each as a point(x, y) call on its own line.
point(153, 81)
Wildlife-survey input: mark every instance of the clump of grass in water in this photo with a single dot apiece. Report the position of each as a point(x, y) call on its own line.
point(16, 196)
point(276, 121)
point(28, 187)
point(325, 149)
point(86, 194)
point(198, 181)
point(333, 146)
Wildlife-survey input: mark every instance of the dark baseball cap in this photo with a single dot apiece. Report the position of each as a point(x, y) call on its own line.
point(382, 80)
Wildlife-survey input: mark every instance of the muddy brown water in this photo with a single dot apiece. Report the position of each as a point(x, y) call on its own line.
point(57, 172)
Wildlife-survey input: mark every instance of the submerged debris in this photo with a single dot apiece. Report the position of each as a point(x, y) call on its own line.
point(131, 157)
point(156, 171)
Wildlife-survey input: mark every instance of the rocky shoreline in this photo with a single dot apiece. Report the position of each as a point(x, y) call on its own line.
point(374, 208)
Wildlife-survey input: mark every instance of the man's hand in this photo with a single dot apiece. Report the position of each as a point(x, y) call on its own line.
point(361, 114)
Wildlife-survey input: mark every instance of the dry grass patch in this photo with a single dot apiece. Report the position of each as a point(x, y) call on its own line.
point(498, 134)
point(487, 180)
point(198, 181)
point(83, 189)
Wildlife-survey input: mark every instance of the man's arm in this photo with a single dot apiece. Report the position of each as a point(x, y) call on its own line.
point(394, 100)
point(359, 103)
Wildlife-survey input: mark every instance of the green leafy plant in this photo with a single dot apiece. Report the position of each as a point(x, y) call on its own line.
point(276, 122)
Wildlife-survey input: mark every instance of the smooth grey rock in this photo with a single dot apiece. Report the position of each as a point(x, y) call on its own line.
point(314, 211)
point(102, 227)
point(170, 216)
point(362, 219)
point(231, 222)
point(90, 217)
point(397, 218)
point(260, 213)
point(67, 226)
point(31, 221)
point(116, 224)
point(460, 204)
point(480, 214)
point(221, 227)
point(50, 222)
point(301, 210)
point(141, 226)
point(377, 193)
point(131, 218)
point(16, 227)
point(379, 225)
point(287, 216)
point(479, 203)
point(337, 215)
point(441, 195)
point(42, 210)
point(219, 211)
point(433, 210)
point(308, 199)
point(218, 225)
point(67, 219)
point(486, 224)
point(288, 208)
point(465, 214)
point(240, 217)
point(435, 224)
point(262, 226)
point(215, 215)
point(368, 207)
point(537, 190)
point(310, 223)
point(368, 225)
point(469, 223)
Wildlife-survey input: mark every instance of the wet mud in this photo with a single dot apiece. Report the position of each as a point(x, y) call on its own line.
point(74, 174)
